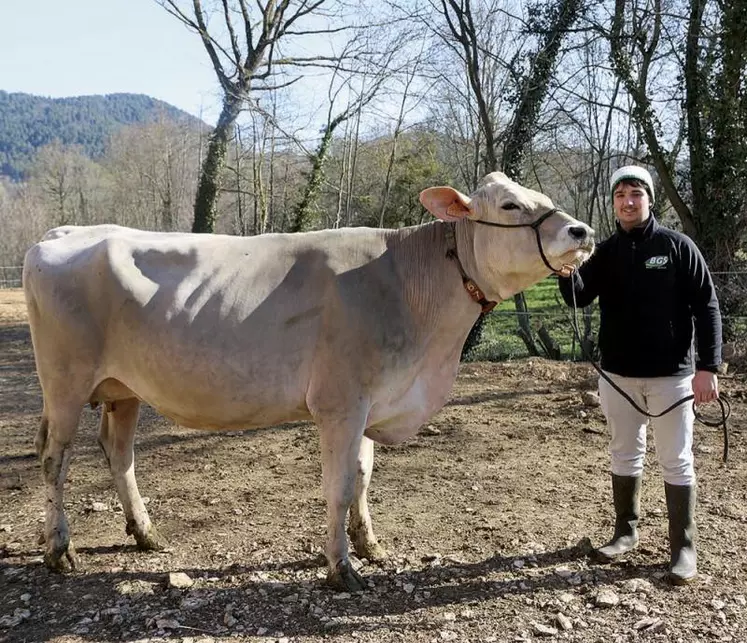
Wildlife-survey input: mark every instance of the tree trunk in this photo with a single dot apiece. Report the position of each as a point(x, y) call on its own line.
point(588, 343)
point(352, 164)
point(346, 143)
point(239, 200)
point(271, 189)
point(525, 328)
point(718, 145)
point(549, 345)
point(393, 153)
point(205, 212)
point(643, 113)
point(303, 214)
point(534, 89)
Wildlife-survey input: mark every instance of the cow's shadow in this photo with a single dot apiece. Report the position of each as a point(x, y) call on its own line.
point(245, 599)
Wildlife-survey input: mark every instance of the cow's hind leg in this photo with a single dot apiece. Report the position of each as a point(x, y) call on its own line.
point(359, 528)
point(117, 440)
point(340, 443)
point(54, 444)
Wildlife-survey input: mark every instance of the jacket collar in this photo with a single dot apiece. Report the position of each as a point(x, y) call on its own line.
point(639, 233)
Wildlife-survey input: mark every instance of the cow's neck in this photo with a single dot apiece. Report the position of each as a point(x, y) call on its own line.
point(464, 232)
point(432, 283)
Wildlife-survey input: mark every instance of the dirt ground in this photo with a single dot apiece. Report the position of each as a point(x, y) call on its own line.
point(487, 517)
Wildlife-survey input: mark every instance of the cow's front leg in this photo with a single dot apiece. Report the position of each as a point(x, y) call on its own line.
point(117, 440)
point(359, 528)
point(54, 445)
point(340, 443)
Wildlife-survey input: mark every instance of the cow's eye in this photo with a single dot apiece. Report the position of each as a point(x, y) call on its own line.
point(510, 206)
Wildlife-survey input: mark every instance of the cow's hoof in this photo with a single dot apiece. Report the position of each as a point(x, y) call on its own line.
point(62, 559)
point(371, 551)
point(150, 541)
point(344, 577)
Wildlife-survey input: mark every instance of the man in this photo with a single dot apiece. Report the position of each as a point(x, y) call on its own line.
point(652, 283)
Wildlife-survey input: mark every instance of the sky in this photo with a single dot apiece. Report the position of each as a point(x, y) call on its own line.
point(61, 48)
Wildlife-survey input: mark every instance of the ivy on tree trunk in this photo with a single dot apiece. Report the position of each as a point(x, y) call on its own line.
point(205, 213)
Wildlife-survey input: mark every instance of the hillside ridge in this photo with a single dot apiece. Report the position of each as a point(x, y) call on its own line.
point(29, 122)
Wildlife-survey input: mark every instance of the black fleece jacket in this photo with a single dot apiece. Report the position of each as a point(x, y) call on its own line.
point(652, 283)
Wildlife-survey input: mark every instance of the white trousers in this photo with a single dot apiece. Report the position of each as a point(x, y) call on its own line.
point(673, 432)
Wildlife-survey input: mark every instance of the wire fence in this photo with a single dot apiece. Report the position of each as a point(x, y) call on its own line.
point(502, 337)
point(10, 276)
point(547, 326)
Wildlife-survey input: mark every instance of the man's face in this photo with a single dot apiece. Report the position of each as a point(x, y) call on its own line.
point(631, 204)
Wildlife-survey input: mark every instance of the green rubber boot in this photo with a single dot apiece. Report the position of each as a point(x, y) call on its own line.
point(626, 493)
point(683, 566)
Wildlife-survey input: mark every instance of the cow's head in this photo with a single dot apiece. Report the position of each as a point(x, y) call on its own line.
point(506, 260)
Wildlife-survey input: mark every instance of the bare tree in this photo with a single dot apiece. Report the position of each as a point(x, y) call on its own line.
point(372, 83)
point(24, 217)
point(152, 172)
point(549, 24)
point(246, 52)
point(633, 53)
point(399, 123)
point(461, 22)
point(547, 27)
point(345, 177)
point(240, 227)
point(63, 176)
point(473, 90)
point(352, 163)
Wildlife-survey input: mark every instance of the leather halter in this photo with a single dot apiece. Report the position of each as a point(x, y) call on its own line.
point(470, 286)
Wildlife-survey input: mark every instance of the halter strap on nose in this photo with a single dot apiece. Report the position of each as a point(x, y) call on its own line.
point(534, 226)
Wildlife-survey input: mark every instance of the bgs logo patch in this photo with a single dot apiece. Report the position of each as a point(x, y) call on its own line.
point(657, 262)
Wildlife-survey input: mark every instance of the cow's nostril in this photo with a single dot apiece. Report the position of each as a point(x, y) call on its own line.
point(578, 232)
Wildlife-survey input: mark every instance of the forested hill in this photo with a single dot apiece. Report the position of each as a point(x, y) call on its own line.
point(29, 122)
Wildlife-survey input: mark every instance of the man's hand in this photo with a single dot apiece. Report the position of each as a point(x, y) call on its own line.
point(705, 387)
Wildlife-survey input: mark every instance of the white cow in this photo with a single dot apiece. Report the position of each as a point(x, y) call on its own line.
point(359, 330)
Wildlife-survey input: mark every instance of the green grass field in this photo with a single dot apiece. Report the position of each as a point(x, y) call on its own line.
point(545, 306)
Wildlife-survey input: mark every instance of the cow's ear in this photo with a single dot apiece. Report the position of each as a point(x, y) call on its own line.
point(446, 203)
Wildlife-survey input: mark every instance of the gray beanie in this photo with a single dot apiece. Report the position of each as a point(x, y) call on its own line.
point(633, 172)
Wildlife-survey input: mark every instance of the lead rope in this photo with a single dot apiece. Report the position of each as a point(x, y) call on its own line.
point(723, 403)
